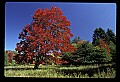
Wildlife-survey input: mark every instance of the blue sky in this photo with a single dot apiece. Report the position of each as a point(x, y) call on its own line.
point(84, 18)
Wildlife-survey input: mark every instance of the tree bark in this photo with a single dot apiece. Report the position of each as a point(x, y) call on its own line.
point(37, 63)
point(36, 66)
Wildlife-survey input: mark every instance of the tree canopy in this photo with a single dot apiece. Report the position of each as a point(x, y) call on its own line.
point(48, 32)
point(107, 36)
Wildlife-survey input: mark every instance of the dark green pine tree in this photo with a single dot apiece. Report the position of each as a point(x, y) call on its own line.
point(110, 36)
point(98, 33)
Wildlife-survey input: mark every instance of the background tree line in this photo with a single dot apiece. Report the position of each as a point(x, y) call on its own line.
point(101, 50)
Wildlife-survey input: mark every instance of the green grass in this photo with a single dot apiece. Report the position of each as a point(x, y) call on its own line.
point(53, 71)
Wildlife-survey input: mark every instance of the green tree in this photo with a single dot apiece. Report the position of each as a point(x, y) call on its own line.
point(107, 36)
point(98, 33)
point(98, 55)
point(76, 40)
point(87, 53)
point(81, 55)
point(110, 36)
point(112, 47)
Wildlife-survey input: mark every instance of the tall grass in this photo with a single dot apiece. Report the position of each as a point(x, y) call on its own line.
point(60, 72)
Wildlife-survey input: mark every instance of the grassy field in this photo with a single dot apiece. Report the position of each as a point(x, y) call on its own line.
point(54, 71)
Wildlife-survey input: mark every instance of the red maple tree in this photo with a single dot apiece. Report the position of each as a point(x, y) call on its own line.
point(47, 32)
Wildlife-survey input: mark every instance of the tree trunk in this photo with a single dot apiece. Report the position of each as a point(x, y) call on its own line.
point(37, 63)
point(36, 66)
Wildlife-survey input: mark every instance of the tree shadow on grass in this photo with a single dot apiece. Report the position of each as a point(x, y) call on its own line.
point(89, 71)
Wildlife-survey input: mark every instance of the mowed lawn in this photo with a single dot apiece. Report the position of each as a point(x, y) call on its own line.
point(56, 71)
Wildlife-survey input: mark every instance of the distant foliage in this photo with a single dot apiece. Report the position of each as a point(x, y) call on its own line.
point(9, 57)
point(5, 59)
point(102, 44)
point(82, 52)
point(112, 47)
point(76, 40)
point(110, 36)
point(86, 53)
point(98, 33)
point(98, 55)
point(106, 40)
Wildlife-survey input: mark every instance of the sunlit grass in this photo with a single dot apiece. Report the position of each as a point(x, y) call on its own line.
point(50, 72)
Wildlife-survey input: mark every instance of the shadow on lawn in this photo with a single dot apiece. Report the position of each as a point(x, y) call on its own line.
point(89, 71)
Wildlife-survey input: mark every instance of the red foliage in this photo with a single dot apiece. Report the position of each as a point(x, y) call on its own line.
point(10, 55)
point(102, 44)
point(43, 63)
point(48, 31)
